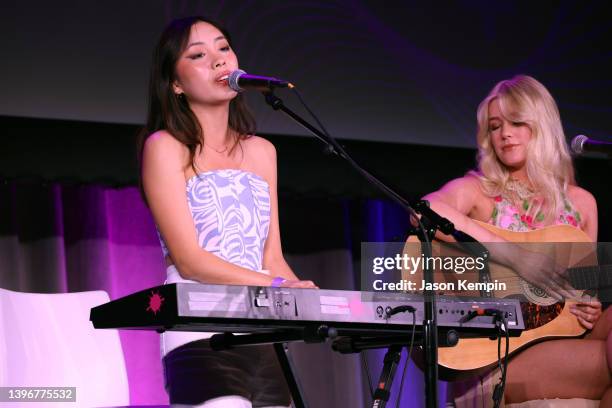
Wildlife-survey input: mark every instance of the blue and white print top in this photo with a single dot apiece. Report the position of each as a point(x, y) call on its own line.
point(231, 213)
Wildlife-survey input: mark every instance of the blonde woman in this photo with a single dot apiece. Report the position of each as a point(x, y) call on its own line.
point(525, 181)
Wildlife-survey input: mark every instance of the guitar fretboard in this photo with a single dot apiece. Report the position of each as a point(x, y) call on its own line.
point(590, 277)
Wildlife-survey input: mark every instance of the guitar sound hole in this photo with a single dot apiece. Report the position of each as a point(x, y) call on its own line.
point(538, 292)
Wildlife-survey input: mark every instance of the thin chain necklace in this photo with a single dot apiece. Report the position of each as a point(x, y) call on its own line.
point(221, 151)
point(216, 150)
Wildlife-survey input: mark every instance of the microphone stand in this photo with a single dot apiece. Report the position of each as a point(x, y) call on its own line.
point(432, 222)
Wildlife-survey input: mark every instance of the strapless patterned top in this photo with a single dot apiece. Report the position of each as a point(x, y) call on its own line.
point(507, 216)
point(231, 214)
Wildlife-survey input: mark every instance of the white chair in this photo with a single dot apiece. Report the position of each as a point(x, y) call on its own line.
point(47, 340)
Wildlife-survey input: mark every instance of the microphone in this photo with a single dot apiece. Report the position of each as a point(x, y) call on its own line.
point(240, 81)
point(581, 144)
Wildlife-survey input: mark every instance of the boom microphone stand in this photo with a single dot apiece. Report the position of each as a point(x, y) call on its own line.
point(430, 222)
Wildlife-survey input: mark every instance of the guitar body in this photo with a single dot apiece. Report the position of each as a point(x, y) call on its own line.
point(544, 317)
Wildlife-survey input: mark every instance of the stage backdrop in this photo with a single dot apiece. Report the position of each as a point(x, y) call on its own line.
point(402, 71)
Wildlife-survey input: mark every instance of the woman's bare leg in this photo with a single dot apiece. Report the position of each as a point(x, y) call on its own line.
point(606, 400)
point(574, 368)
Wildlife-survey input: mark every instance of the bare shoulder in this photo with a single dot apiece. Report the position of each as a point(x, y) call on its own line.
point(163, 156)
point(583, 200)
point(257, 145)
point(163, 149)
point(162, 140)
point(260, 157)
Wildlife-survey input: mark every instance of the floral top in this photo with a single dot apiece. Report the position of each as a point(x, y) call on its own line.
point(507, 216)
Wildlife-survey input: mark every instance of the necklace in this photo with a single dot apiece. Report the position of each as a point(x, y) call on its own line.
point(522, 190)
point(216, 150)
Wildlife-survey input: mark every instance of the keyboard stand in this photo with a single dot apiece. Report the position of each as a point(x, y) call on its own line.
point(279, 340)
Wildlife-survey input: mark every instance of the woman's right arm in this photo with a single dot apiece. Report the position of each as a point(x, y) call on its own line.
point(456, 200)
point(163, 163)
point(460, 198)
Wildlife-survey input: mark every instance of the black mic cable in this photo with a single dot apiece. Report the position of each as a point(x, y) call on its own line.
point(502, 325)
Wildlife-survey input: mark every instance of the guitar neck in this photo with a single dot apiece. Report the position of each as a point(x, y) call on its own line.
point(590, 277)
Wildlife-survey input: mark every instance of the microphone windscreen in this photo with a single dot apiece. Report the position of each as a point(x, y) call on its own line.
point(577, 144)
point(232, 80)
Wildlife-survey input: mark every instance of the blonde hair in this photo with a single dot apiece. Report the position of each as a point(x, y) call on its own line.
point(548, 163)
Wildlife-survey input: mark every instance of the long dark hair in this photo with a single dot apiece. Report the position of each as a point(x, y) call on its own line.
point(170, 112)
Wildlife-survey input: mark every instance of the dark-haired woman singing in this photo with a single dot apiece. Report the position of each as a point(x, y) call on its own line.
point(211, 187)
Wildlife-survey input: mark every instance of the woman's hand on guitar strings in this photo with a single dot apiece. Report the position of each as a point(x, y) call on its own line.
point(542, 271)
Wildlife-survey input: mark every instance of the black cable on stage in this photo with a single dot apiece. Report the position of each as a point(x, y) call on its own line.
point(364, 366)
point(315, 117)
point(498, 392)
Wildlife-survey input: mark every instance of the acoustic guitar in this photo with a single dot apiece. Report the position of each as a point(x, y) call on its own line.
point(544, 317)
